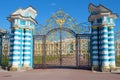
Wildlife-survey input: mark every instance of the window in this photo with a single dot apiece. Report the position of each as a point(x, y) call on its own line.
point(94, 13)
point(108, 19)
point(22, 22)
point(31, 24)
point(99, 20)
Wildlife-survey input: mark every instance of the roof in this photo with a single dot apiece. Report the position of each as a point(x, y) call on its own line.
point(100, 11)
point(23, 12)
point(99, 8)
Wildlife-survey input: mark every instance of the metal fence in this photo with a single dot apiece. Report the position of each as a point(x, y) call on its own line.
point(4, 54)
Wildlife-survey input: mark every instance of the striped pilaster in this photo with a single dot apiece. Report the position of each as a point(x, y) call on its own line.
point(104, 47)
point(22, 46)
point(111, 47)
point(100, 47)
point(27, 58)
point(94, 44)
point(31, 55)
point(15, 57)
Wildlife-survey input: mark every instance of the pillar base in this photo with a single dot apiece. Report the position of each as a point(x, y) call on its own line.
point(13, 68)
point(26, 68)
point(26, 65)
point(19, 69)
point(16, 68)
point(95, 68)
point(105, 69)
point(113, 68)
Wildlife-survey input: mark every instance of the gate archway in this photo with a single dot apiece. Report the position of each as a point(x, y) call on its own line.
point(61, 52)
point(61, 43)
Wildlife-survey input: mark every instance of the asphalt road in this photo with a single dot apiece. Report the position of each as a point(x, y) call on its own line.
point(58, 74)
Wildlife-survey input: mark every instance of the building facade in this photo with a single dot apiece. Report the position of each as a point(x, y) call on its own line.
point(68, 47)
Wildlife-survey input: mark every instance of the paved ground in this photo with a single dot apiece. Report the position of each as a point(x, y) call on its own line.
point(58, 74)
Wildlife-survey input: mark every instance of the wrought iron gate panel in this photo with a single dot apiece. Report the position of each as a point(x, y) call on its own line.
point(39, 51)
point(117, 47)
point(52, 52)
point(69, 53)
point(83, 53)
point(4, 48)
point(60, 51)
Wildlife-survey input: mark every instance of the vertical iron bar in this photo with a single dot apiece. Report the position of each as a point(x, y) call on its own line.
point(77, 51)
point(89, 61)
point(1, 49)
point(60, 46)
point(44, 51)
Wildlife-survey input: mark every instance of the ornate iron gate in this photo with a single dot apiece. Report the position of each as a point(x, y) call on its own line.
point(70, 52)
point(4, 48)
point(117, 47)
point(61, 42)
point(60, 51)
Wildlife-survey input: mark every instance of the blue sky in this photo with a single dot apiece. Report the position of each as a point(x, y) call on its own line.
point(76, 8)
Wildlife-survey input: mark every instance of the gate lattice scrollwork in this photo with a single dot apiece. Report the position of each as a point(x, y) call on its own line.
point(61, 42)
point(4, 49)
point(117, 47)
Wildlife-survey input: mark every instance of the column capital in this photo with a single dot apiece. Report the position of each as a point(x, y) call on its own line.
point(110, 26)
point(103, 25)
point(17, 27)
point(94, 27)
point(27, 29)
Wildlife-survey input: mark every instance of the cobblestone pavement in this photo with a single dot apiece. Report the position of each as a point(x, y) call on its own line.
point(58, 74)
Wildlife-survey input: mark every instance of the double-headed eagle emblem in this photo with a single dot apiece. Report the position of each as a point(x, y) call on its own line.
point(60, 21)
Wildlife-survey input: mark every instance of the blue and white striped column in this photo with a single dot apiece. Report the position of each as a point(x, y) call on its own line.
point(104, 47)
point(22, 45)
point(94, 48)
point(14, 56)
point(100, 47)
point(105, 22)
point(28, 56)
point(111, 47)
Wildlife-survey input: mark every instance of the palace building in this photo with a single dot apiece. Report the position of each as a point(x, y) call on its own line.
point(68, 47)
